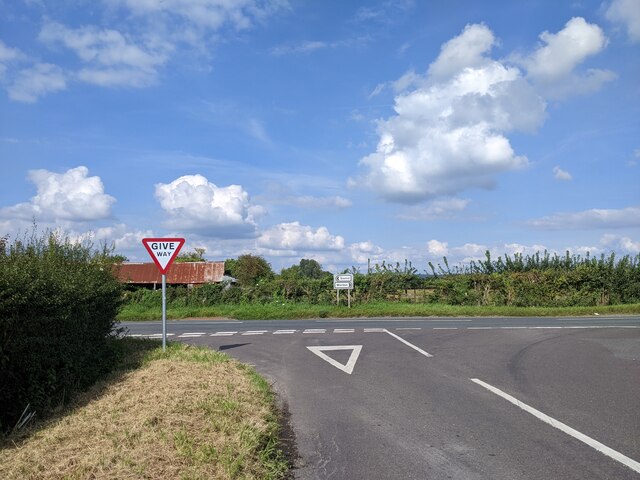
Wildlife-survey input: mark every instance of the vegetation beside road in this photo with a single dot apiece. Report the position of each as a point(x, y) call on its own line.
point(185, 413)
point(541, 284)
point(293, 311)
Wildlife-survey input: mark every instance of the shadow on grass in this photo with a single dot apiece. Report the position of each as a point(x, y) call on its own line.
point(128, 353)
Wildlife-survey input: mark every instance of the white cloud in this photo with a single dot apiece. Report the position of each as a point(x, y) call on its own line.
point(619, 242)
point(115, 59)
point(36, 81)
point(551, 66)
point(448, 133)
point(8, 54)
point(590, 219)
point(440, 209)
point(293, 237)
point(196, 205)
point(560, 174)
point(311, 46)
point(436, 248)
point(362, 252)
point(308, 201)
point(71, 196)
point(301, 48)
point(467, 50)
point(561, 52)
point(205, 14)
point(626, 13)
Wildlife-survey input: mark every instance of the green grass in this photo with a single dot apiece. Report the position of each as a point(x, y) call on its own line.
point(287, 311)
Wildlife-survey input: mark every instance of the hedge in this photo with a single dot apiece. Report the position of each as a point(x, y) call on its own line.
point(58, 303)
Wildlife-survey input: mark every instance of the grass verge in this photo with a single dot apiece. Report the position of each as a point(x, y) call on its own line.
point(187, 413)
point(290, 311)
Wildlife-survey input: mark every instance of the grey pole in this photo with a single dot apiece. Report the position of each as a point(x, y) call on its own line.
point(164, 312)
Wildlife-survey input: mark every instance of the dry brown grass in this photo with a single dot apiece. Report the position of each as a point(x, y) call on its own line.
point(177, 417)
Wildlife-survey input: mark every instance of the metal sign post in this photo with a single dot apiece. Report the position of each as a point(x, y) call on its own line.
point(163, 251)
point(343, 282)
point(164, 312)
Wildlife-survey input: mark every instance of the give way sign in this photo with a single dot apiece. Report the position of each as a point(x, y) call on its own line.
point(163, 251)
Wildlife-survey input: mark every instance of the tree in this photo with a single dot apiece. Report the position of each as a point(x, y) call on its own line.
point(250, 269)
point(196, 256)
point(310, 268)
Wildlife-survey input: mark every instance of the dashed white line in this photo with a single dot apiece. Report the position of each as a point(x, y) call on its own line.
point(255, 332)
point(409, 328)
point(344, 330)
point(479, 328)
point(632, 464)
point(374, 330)
point(445, 328)
point(284, 332)
point(222, 334)
point(315, 330)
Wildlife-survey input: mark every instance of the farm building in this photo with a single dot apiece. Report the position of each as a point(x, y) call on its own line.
point(185, 273)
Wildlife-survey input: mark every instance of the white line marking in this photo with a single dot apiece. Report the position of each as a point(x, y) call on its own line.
point(315, 330)
point(191, 335)
point(479, 328)
point(445, 328)
point(347, 367)
point(223, 334)
point(254, 332)
point(409, 328)
point(374, 330)
point(632, 464)
point(135, 335)
point(419, 350)
point(343, 330)
point(284, 332)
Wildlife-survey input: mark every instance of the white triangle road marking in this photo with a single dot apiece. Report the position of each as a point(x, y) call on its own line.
point(347, 367)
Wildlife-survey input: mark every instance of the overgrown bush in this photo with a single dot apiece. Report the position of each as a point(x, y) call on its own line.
point(58, 303)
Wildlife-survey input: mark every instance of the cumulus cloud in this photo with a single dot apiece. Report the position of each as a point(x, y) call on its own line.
point(561, 52)
point(436, 248)
point(362, 252)
point(551, 66)
point(36, 81)
point(627, 14)
point(560, 174)
point(196, 205)
point(70, 196)
point(590, 219)
point(293, 237)
point(448, 132)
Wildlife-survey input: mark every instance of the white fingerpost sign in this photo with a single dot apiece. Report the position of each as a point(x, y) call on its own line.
point(163, 251)
point(343, 281)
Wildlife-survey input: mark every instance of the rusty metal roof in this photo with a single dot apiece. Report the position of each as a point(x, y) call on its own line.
point(183, 273)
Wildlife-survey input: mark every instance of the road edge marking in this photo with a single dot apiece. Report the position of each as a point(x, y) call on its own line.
point(609, 452)
point(417, 349)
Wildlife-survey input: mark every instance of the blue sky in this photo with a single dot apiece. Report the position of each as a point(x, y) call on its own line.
point(340, 131)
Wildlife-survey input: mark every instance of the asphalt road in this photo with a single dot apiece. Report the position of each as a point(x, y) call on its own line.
point(447, 398)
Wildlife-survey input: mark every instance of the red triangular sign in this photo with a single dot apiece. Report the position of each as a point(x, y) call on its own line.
point(163, 251)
